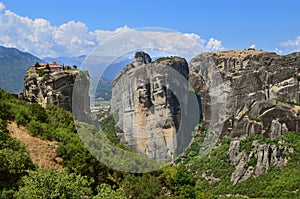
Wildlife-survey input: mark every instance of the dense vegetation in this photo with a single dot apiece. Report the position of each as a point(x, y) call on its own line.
point(85, 177)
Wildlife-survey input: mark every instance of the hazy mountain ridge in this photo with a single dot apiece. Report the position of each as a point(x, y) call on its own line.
point(13, 66)
point(67, 61)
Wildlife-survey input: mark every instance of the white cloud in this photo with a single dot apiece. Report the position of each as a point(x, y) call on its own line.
point(289, 46)
point(2, 6)
point(39, 37)
point(195, 37)
point(252, 46)
point(278, 51)
point(292, 43)
point(214, 45)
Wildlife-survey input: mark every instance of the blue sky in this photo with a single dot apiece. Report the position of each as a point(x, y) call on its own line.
point(269, 25)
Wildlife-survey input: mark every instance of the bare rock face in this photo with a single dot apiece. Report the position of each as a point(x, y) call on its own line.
point(261, 95)
point(57, 88)
point(261, 89)
point(148, 103)
point(258, 161)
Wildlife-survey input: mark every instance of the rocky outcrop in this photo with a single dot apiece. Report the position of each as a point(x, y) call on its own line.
point(245, 93)
point(57, 88)
point(260, 92)
point(149, 101)
point(258, 161)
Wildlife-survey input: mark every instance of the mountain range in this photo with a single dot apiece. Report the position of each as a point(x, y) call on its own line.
point(13, 65)
point(67, 61)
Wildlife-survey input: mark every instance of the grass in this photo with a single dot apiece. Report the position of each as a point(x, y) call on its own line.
point(287, 102)
point(250, 117)
point(40, 151)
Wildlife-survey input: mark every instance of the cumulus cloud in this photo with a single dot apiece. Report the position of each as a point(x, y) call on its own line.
point(2, 6)
point(196, 38)
point(252, 46)
point(39, 37)
point(289, 46)
point(278, 51)
point(214, 45)
point(292, 43)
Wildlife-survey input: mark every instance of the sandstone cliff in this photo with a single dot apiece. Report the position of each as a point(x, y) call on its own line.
point(57, 88)
point(261, 91)
point(149, 100)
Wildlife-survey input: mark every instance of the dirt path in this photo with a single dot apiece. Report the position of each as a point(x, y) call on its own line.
point(41, 152)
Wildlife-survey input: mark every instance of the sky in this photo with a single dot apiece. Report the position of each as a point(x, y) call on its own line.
point(71, 28)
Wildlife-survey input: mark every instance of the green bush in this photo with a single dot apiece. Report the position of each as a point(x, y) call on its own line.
point(37, 112)
point(60, 118)
point(106, 192)
point(53, 184)
point(43, 72)
point(40, 129)
point(15, 163)
point(142, 186)
point(21, 118)
point(108, 127)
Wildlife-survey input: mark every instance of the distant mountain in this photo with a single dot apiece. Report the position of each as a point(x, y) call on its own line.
point(13, 66)
point(115, 68)
point(104, 83)
point(67, 61)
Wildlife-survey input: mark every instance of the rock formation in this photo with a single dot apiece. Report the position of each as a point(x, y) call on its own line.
point(258, 161)
point(57, 88)
point(261, 91)
point(245, 93)
point(149, 101)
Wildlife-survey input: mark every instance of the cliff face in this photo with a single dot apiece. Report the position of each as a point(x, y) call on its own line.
point(261, 91)
point(56, 88)
point(148, 113)
point(257, 161)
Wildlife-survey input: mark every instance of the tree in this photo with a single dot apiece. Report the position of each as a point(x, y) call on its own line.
point(106, 192)
point(144, 186)
point(37, 112)
point(15, 163)
point(46, 183)
point(48, 67)
point(37, 64)
point(75, 66)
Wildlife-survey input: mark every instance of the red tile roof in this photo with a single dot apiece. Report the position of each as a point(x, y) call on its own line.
point(52, 65)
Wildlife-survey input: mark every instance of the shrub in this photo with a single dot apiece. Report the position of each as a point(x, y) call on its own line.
point(52, 184)
point(37, 128)
point(253, 118)
point(42, 73)
point(22, 118)
point(37, 112)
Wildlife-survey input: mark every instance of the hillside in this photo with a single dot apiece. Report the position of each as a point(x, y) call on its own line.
point(13, 66)
point(41, 152)
point(256, 155)
point(191, 176)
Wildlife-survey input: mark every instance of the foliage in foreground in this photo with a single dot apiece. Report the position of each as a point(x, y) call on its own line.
point(85, 176)
point(53, 184)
